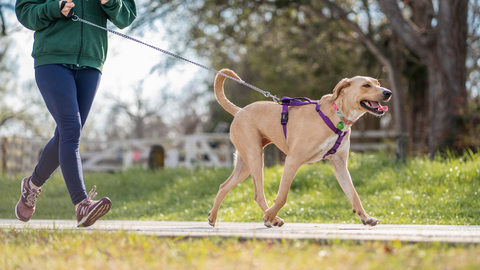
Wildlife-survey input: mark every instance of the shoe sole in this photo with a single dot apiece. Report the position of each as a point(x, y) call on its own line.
point(99, 211)
point(16, 207)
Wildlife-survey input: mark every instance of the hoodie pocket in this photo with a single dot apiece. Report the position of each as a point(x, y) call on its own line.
point(62, 37)
point(96, 39)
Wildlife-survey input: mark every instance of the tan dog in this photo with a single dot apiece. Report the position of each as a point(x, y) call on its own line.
point(308, 140)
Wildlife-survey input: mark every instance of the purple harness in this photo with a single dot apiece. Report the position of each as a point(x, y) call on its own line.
point(299, 101)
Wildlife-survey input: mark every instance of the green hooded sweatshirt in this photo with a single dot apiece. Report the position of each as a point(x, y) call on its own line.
point(60, 40)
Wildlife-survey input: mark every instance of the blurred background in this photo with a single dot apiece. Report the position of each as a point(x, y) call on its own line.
point(426, 51)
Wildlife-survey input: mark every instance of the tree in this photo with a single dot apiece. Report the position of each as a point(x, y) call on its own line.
point(8, 69)
point(438, 38)
point(274, 46)
point(3, 25)
point(6, 113)
point(191, 117)
point(299, 45)
point(20, 108)
point(473, 48)
point(393, 70)
point(135, 119)
point(407, 74)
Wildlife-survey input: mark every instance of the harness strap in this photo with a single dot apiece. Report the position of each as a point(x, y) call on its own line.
point(299, 101)
point(284, 120)
point(337, 131)
point(286, 102)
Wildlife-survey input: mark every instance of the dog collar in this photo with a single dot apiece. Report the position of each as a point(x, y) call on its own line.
point(344, 121)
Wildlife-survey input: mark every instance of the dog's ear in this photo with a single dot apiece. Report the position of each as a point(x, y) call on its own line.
point(340, 86)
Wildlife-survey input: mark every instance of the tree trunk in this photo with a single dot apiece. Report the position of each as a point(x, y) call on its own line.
point(450, 53)
point(443, 49)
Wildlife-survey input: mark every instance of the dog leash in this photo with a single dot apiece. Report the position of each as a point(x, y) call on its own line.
point(265, 93)
point(285, 102)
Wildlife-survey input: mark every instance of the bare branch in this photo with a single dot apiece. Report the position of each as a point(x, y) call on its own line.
point(363, 37)
point(410, 34)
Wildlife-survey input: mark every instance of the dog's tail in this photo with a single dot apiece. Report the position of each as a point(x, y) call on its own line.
point(220, 94)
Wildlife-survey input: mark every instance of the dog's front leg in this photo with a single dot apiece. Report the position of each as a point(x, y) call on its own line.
point(257, 176)
point(345, 180)
point(289, 172)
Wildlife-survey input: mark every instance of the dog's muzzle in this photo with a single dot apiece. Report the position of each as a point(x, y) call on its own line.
point(387, 94)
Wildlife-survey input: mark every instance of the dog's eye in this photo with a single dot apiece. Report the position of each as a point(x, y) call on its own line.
point(366, 85)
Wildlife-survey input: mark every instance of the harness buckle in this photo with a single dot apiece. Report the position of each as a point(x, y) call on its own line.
point(286, 100)
point(284, 119)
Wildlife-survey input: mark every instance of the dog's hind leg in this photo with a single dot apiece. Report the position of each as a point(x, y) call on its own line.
point(240, 172)
point(345, 180)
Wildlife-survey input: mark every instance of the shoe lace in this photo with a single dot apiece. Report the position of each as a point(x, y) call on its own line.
point(92, 193)
point(32, 198)
point(88, 201)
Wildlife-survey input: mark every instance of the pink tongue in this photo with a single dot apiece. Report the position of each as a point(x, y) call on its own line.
point(376, 105)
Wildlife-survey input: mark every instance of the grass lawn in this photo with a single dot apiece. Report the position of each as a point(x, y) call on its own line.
point(422, 191)
point(120, 250)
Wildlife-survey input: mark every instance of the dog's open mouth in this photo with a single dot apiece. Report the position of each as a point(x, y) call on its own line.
point(374, 107)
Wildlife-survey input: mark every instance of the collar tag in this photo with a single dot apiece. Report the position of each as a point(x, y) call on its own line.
point(341, 124)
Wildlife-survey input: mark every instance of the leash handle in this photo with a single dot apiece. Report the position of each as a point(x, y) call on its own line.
point(70, 13)
point(265, 93)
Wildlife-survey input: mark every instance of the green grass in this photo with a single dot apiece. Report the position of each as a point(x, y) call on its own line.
point(40, 249)
point(422, 191)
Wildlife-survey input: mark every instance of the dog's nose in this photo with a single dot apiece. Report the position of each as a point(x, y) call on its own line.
point(387, 94)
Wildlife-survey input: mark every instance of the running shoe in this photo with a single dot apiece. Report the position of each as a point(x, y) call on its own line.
point(89, 211)
point(26, 205)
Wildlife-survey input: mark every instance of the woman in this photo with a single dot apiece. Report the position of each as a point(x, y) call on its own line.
point(69, 57)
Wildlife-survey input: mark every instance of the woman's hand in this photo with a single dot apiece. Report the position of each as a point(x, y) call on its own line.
point(66, 9)
point(104, 2)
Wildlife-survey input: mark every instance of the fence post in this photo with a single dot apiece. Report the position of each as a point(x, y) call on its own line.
point(401, 147)
point(270, 155)
point(156, 159)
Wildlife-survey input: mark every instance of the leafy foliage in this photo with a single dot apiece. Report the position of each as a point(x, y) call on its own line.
point(274, 45)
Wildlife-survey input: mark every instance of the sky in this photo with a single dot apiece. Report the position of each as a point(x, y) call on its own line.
point(127, 64)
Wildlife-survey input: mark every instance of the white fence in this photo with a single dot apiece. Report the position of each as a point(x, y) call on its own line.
point(189, 151)
point(19, 155)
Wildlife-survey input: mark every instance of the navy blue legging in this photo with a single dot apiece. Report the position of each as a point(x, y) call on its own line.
point(68, 95)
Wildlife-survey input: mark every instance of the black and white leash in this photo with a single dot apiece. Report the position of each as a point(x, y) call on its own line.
point(265, 93)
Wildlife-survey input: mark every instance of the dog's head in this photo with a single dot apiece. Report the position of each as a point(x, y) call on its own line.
point(363, 94)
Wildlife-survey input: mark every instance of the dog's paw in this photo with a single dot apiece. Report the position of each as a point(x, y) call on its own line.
point(211, 221)
point(278, 222)
point(267, 223)
point(370, 221)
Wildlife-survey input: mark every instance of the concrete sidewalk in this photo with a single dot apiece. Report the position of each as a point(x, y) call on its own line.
point(409, 233)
